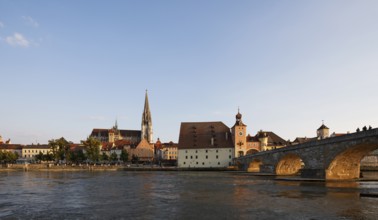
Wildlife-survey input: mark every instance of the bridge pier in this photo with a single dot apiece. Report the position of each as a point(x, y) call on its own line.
point(267, 168)
point(313, 173)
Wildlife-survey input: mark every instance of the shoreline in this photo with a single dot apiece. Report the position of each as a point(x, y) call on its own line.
point(98, 168)
point(52, 167)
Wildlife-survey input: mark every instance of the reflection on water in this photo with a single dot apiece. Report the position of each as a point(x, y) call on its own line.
point(179, 195)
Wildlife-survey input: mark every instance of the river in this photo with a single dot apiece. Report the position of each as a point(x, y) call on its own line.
point(179, 195)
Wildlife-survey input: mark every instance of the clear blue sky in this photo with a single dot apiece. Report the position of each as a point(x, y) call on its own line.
point(67, 67)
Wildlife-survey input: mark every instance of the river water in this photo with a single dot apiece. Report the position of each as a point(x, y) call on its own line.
point(179, 195)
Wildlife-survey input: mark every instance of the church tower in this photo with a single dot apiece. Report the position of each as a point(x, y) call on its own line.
point(239, 136)
point(147, 121)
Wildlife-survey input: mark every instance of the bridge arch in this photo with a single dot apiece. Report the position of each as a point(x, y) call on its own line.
point(254, 166)
point(289, 164)
point(346, 164)
point(252, 151)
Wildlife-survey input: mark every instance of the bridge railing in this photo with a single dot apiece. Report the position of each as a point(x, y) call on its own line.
point(346, 137)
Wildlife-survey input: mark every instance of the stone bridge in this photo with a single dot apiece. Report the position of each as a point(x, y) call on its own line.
point(333, 158)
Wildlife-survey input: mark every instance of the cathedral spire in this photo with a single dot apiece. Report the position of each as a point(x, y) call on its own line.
point(147, 121)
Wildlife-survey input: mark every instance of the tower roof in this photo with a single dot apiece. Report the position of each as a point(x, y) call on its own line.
point(239, 121)
point(146, 112)
point(323, 127)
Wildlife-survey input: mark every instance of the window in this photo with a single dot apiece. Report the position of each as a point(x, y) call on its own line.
point(191, 157)
point(216, 157)
point(186, 157)
point(184, 162)
point(230, 150)
point(196, 152)
point(218, 163)
point(216, 151)
point(196, 162)
point(203, 163)
point(206, 151)
point(229, 157)
point(196, 157)
point(207, 157)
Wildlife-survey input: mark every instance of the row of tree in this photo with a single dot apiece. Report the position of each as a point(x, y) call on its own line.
point(8, 157)
point(61, 150)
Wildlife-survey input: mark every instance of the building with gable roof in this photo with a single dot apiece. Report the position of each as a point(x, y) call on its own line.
point(205, 144)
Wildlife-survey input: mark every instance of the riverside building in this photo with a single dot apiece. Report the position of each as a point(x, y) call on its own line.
point(213, 144)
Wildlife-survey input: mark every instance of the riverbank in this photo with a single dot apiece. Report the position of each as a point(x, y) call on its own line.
point(103, 167)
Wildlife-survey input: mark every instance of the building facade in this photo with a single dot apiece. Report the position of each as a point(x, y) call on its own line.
point(205, 145)
point(30, 151)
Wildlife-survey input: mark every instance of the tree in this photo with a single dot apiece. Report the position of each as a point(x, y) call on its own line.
point(60, 148)
point(40, 156)
point(80, 156)
point(8, 157)
point(104, 157)
point(124, 155)
point(114, 157)
point(92, 148)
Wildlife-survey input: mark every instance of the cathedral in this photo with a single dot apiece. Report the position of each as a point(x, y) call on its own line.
point(134, 137)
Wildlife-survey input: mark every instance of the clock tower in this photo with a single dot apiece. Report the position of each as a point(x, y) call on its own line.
point(239, 136)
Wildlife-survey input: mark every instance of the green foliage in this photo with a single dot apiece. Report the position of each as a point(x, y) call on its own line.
point(60, 148)
point(113, 157)
point(92, 148)
point(104, 157)
point(77, 156)
point(124, 155)
point(8, 157)
point(44, 157)
point(39, 157)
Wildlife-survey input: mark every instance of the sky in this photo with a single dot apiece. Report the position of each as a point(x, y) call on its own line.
point(67, 67)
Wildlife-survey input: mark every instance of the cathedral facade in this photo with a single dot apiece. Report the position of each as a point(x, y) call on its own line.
point(114, 134)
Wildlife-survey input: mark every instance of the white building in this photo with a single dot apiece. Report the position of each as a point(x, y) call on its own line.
point(30, 151)
point(205, 145)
